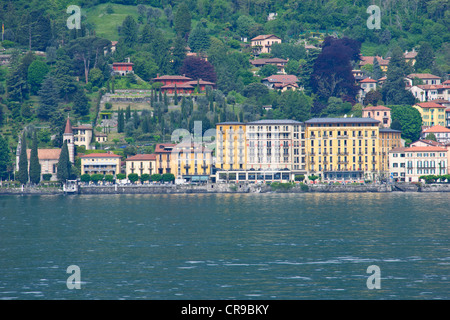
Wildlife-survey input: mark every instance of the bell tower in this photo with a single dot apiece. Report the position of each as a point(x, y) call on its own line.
point(68, 136)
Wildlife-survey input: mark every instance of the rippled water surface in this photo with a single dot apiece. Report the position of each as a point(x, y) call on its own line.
point(225, 246)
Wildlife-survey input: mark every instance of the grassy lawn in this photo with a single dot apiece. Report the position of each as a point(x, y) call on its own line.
point(106, 24)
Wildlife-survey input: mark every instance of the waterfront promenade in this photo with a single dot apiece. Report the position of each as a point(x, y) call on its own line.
point(231, 188)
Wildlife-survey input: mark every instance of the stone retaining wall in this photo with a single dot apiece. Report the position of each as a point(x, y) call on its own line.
point(230, 188)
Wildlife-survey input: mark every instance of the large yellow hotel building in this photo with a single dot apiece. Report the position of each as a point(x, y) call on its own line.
point(349, 149)
point(259, 151)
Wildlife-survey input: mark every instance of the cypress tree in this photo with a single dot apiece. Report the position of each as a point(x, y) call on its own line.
point(23, 161)
point(377, 72)
point(35, 167)
point(64, 165)
point(135, 119)
point(175, 97)
point(49, 98)
point(166, 101)
point(120, 121)
point(128, 113)
point(5, 159)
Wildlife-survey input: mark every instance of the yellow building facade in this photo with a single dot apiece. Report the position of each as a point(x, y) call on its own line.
point(102, 163)
point(389, 139)
point(343, 149)
point(141, 164)
point(432, 113)
point(191, 162)
point(231, 146)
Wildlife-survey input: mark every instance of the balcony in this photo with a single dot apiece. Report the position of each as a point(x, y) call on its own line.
point(343, 137)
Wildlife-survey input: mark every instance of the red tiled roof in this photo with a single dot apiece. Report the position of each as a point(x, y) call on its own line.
point(437, 128)
point(100, 155)
point(429, 104)
point(429, 142)
point(46, 154)
point(422, 76)
point(264, 37)
point(282, 78)
point(431, 86)
point(200, 81)
point(172, 78)
point(425, 149)
point(376, 108)
point(367, 80)
point(398, 149)
point(123, 64)
point(82, 127)
point(143, 157)
point(410, 55)
point(68, 128)
point(164, 147)
point(267, 60)
point(370, 60)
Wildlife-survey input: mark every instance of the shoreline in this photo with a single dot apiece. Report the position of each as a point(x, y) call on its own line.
point(230, 189)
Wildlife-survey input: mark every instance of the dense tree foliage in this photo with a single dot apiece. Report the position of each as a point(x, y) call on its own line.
point(35, 167)
point(5, 159)
point(409, 121)
point(22, 175)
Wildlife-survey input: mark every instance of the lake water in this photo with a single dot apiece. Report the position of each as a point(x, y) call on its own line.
point(226, 246)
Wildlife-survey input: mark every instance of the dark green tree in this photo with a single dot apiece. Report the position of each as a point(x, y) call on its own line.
point(63, 75)
point(81, 103)
point(178, 54)
point(35, 166)
point(133, 177)
point(424, 58)
point(182, 20)
point(129, 31)
point(49, 98)
point(410, 121)
point(431, 136)
point(393, 90)
point(372, 97)
point(22, 175)
point(377, 73)
point(5, 159)
point(64, 166)
point(199, 39)
point(36, 73)
point(267, 71)
point(120, 121)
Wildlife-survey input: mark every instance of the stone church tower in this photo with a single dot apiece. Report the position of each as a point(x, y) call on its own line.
point(68, 136)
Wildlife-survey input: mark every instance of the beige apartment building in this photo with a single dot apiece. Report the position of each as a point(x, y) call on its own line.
point(414, 162)
point(141, 164)
point(102, 163)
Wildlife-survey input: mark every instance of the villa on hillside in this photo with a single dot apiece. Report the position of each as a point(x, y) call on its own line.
point(441, 133)
point(281, 82)
point(277, 62)
point(123, 68)
point(432, 113)
point(380, 113)
point(181, 84)
point(262, 43)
